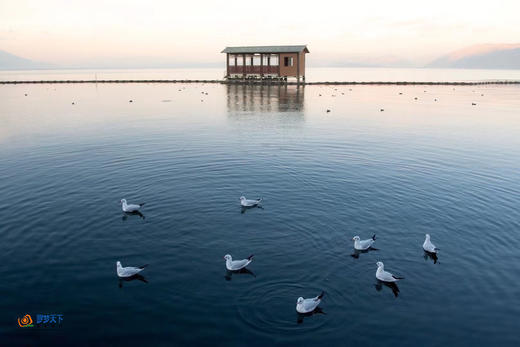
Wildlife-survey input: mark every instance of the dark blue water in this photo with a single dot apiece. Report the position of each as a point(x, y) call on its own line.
point(444, 167)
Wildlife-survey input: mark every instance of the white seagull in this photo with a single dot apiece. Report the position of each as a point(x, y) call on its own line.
point(363, 245)
point(235, 265)
point(385, 276)
point(249, 203)
point(428, 246)
point(308, 305)
point(130, 207)
point(128, 271)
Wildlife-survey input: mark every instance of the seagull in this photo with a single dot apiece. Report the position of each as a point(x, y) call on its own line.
point(385, 276)
point(428, 246)
point(235, 265)
point(128, 271)
point(131, 207)
point(308, 305)
point(249, 203)
point(363, 245)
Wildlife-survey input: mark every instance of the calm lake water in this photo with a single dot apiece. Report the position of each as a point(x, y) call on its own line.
point(445, 167)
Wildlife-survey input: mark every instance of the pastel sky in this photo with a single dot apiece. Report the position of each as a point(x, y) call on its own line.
point(85, 33)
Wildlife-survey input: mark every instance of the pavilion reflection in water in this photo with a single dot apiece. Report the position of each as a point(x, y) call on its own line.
point(265, 98)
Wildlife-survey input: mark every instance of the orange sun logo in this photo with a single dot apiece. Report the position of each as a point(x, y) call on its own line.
point(26, 321)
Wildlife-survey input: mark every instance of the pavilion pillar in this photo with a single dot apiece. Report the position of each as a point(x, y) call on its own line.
point(227, 65)
point(244, 65)
point(298, 68)
point(261, 65)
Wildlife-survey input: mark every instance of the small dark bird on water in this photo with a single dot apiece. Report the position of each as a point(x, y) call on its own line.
point(474, 104)
point(415, 98)
point(25, 94)
point(72, 103)
point(381, 110)
point(130, 101)
point(435, 99)
point(400, 93)
point(328, 111)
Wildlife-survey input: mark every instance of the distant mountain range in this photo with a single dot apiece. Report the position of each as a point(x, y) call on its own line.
point(10, 61)
point(488, 56)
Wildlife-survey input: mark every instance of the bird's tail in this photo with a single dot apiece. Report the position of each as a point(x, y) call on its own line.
point(142, 267)
point(260, 200)
point(374, 237)
point(142, 204)
point(250, 257)
point(321, 295)
point(398, 278)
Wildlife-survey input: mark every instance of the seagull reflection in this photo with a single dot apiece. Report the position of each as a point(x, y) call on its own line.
point(392, 285)
point(301, 316)
point(230, 274)
point(131, 278)
point(135, 213)
point(432, 256)
point(357, 252)
point(243, 209)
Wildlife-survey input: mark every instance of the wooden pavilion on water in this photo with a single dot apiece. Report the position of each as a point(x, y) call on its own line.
point(266, 62)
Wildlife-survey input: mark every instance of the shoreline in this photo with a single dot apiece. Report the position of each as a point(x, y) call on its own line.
point(264, 82)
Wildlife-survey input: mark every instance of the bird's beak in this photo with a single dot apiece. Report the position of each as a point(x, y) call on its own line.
point(352, 239)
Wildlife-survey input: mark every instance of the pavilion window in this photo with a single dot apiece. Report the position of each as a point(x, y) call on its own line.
point(288, 61)
point(273, 60)
point(256, 60)
point(240, 61)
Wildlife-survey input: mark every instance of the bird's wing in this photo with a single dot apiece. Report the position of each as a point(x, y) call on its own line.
point(132, 207)
point(130, 270)
point(239, 264)
point(429, 247)
point(386, 276)
point(366, 243)
point(310, 304)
